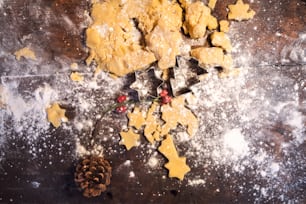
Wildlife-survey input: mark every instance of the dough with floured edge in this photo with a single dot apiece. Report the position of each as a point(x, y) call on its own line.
point(115, 43)
point(26, 53)
point(152, 125)
point(220, 39)
point(56, 115)
point(213, 56)
point(112, 42)
point(197, 19)
point(76, 76)
point(224, 26)
point(176, 113)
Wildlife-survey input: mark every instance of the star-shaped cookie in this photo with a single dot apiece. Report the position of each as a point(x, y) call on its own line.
point(240, 11)
point(129, 139)
point(177, 167)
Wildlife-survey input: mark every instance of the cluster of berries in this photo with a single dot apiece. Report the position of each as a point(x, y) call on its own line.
point(165, 98)
point(122, 101)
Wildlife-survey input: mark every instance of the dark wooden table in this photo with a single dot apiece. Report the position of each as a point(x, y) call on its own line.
point(37, 161)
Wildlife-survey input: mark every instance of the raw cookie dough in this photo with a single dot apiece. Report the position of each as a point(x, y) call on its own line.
point(224, 26)
point(74, 66)
point(197, 19)
point(220, 39)
point(161, 22)
point(152, 125)
point(56, 115)
point(213, 56)
point(165, 45)
point(212, 4)
point(208, 56)
point(240, 11)
point(117, 45)
point(113, 42)
point(129, 139)
point(76, 76)
point(176, 165)
point(176, 113)
point(26, 53)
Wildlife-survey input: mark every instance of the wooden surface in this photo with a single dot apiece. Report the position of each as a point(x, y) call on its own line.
point(54, 29)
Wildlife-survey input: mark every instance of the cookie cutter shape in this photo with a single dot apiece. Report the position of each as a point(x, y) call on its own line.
point(186, 74)
point(146, 84)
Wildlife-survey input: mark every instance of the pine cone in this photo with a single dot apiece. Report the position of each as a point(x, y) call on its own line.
point(93, 175)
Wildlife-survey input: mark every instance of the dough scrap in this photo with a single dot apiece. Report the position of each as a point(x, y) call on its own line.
point(220, 39)
point(167, 147)
point(152, 126)
point(240, 11)
point(213, 56)
point(212, 4)
point(224, 26)
point(129, 139)
point(56, 115)
point(208, 56)
point(197, 19)
point(176, 113)
point(26, 53)
point(76, 76)
point(176, 165)
point(74, 66)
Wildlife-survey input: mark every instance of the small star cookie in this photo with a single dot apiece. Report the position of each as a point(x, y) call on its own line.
point(240, 11)
point(177, 167)
point(129, 139)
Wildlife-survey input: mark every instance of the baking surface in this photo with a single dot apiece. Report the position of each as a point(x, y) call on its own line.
point(250, 147)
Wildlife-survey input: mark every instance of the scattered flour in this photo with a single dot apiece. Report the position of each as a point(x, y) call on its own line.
point(235, 144)
point(131, 174)
point(81, 151)
point(196, 182)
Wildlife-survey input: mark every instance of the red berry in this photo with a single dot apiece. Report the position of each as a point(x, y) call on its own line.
point(121, 98)
point(121, 109)
point(163, 93)
point(166, 99)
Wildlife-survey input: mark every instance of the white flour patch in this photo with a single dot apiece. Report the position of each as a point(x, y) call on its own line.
point(248, 129)
point(235, 144)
